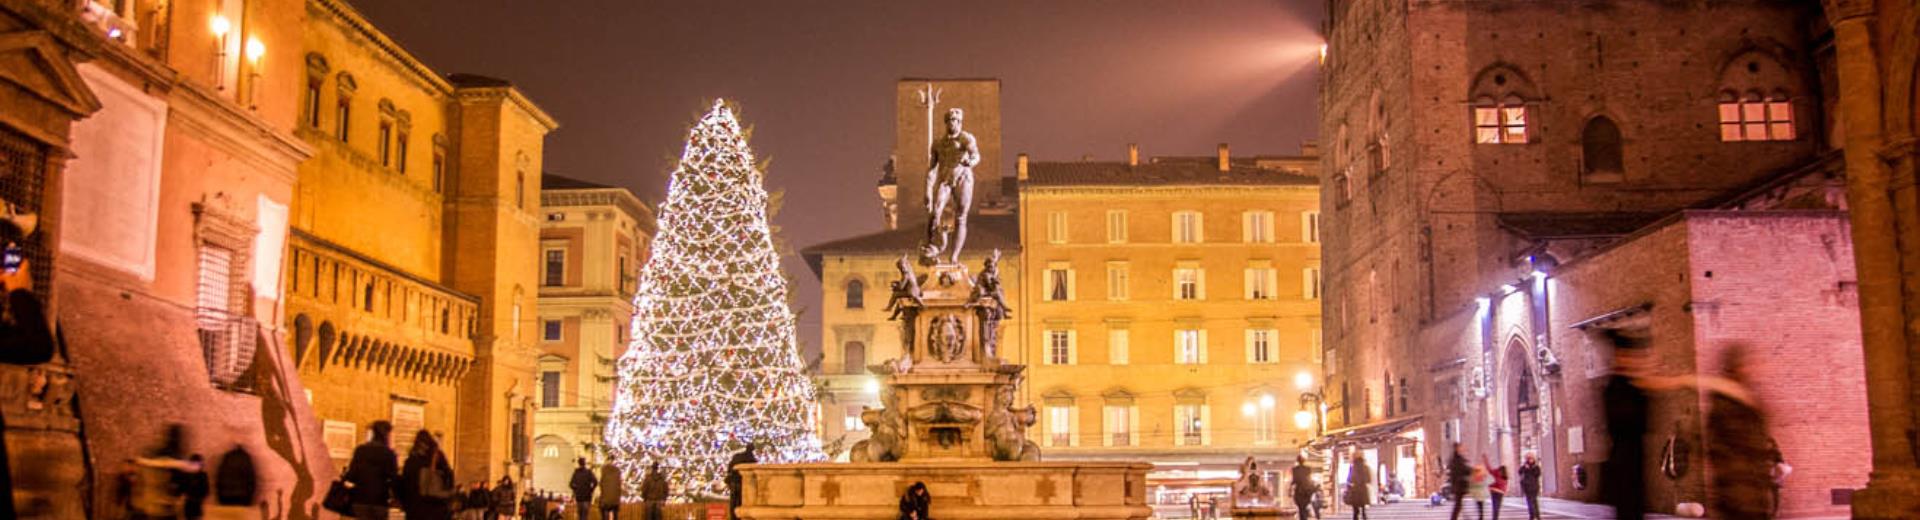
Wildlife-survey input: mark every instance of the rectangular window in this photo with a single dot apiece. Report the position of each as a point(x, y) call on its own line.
point(1310, 227)
point(550, 330)
point(342, 113)
point(1119, 425)
point(400, 152)
point(1331, 363)
point(1190, 424)
point(1117, 280)
point(386, 144)
point(1310, 283)
point(1189, 347)
point(1500, 124)
point(1753, 119)
point(1117, 348)
point(1117, 226)
point(554, 272)
point(1059, 283)
point(1057, 227)
point(1261, 416)
point(1260, 283)
point(1257, 227)
point(439, 170)
point(1060, 347)
point(1260, 347)
point(550, 389)
point(215, 294)
point(313, 103)
point(1187, 283)
point(1059, 425)
point(852, 423)
point(1187, 227)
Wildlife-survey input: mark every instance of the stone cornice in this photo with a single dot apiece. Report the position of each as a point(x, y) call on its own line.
point(357, 25)
point(617, 197)
point(511, 95)
point(237, 130)
point(1163, 191)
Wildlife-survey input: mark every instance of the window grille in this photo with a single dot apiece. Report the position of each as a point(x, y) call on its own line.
point(23, 163)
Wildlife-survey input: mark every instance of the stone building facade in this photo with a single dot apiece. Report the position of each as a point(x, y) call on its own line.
point(152, 145)
point(1551, 169)
point(593, 240)
point(412, 276)
point(1167, 306)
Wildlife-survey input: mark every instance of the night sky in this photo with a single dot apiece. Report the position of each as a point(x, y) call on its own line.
point(625, 79)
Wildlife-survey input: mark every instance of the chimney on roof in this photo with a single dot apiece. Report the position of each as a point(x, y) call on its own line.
point(1020, 166)
point(1133, 154)
point(1223, 158)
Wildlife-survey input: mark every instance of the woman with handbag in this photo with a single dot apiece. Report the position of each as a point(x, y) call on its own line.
point(426, 481)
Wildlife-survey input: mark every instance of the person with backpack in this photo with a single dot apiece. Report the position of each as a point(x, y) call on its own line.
point(426, 488)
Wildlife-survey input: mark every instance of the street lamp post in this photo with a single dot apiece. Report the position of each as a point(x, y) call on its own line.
point(1312, 405)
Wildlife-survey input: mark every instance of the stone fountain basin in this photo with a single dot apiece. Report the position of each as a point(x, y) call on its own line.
point(961, 489)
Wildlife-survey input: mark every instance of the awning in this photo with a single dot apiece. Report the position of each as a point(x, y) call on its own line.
point(1366, 433)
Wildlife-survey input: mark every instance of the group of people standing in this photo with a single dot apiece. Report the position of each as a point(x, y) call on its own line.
point(423, 487)
point(1486, 482)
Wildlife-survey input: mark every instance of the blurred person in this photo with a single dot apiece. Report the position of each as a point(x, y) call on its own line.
point(1626, 405)
point(1530, 484)
point(1303, 488)
point(582, 485)
point(194, 487)
point(653, 490)
point(1780, 471)
point(371, 473)
point(1479, 487)
point(1458, 472)
point(479, 502)
point(503, 499)
point(611, 490)
point(425, 487)
point(1498, 489)
point(1739, 449)
point(734, 481)
point(1359, 486)
point(156, 491)
point(914, 504)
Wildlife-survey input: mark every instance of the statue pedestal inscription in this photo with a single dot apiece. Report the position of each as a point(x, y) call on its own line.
point(948, 419)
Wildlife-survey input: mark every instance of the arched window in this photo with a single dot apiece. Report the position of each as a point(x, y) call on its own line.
point(1501, 111)
point(1600, 156)
point(1755, 102)
point(1377, 153)
point(854, 356)
point(856, 294)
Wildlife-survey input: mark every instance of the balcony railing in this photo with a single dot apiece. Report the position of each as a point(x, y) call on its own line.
point(228, 340)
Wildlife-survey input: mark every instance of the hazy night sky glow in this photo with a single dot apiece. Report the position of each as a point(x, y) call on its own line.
point(815, 79)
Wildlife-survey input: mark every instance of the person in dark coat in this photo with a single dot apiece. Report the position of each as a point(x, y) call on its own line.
point(1740, 449)
point(479, 501)
point(582, 484)
point(1458, 470)
point(1303, 488)
point(503, 497)
point(1623, 481)
point(425, 487)
point(194, 487)
point(1359, 487)
point(653, 490)
point(914, 504)
point(734, 481)
point(372, 472)
point(1530, 484)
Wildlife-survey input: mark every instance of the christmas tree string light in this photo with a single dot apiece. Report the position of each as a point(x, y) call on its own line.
point(714, 363)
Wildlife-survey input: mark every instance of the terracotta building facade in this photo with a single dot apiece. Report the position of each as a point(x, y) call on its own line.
point(1492, 209)
point(412, 230)
point(593, 240)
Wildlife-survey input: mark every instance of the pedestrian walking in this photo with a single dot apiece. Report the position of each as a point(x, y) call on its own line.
point(425, 487)
point(156, 492)
point(1626, 405)
point(1739, 449)
point(914, 504)
point(1780, 471)
point(1458, 471)
point(1479, 486)
point(1530, 484)
point(1359, 487)
point(653, 490)
point(194, 488)
point(371, 473)
point(611, 491)
point(1303, 487)
point(734, 481)
point(1498, 489)
point(478, 504)
point(503, 499)
point(583, 484)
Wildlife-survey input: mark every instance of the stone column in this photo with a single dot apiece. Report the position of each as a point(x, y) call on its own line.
point(1893, 491)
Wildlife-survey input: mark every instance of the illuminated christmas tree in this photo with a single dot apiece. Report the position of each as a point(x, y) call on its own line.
point(714, 364)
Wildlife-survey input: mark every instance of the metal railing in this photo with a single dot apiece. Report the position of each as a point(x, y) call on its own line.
point(229, 342)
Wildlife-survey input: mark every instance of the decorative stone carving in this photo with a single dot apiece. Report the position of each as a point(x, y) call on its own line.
point(990, 303)
point(948, 339)
point(906, 302)
point(1250, 489)
point(1007, 426)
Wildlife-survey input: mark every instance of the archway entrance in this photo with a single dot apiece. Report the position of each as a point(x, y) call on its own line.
point(1527, 413)
point(552, 463)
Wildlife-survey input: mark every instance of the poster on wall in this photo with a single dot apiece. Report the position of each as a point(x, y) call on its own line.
point(408, 418)
point(340, 439)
